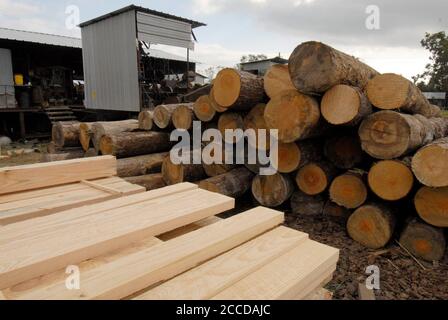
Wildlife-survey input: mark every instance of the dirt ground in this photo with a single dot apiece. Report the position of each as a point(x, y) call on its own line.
point(19, 153)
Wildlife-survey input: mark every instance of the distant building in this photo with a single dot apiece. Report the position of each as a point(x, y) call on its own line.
point(437, 98)
point(261, 66)
point(200, 79)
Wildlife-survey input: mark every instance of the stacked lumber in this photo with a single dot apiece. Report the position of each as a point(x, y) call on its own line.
point(174, 249)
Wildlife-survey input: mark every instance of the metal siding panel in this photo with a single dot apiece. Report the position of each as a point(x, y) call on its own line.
point(7, 95)
point(36, 37)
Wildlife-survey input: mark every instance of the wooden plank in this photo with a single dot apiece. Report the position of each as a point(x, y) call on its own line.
point(18, 231)
point(212, 277)
point(43, 175)
point(316, 283)
point(320, 295)
point(285, 277)
point(100, 187)
point(189, 228)
point(73, 241)
point(138, 271)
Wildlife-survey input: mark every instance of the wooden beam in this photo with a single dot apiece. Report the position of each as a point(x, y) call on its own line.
point(135, 272)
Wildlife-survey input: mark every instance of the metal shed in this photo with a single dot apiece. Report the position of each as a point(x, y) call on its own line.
point(112, 58)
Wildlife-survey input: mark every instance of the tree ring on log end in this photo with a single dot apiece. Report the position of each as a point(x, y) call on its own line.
point(432, 205)
point(106, 145)
point(227, 87)
point(388, 91)
point(311, 179)
point(349, 191)
point(340, 104)
point(430, 165)
point(289, 157)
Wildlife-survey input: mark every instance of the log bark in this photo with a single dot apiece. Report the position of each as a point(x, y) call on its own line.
point(391, 180)
point(295, 115)
point(315, 177)
point(335, 212)
point(432, 205)
point(345, 105)
point(86, 135)
point(238, 90)
point(129, 144)
point(371, 225)
point(344, 151)
point(292, 156)
point(234, 183)
point(216, 169)
point(149, 181)
point(183, 117)
point(177, 173)
point(65, 134)
point(424, 241)
point(272, 191)
point(204, 109)
point(277, 80)
point(100, 129)
point(194, 95)
point(306, 205)
point(388, 134)
point(391, 91)
point(230, 121)
point(316, 67)
point(162, 115)
point(349, 190)
point(67, 155)
point(91, 153)
point(255, 120)
point(145, 121)
point(430, 164)
point(141, 165)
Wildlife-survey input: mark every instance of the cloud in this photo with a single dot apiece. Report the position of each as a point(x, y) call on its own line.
point(10, 8)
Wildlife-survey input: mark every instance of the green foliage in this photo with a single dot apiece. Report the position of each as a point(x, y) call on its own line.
point(253, 57)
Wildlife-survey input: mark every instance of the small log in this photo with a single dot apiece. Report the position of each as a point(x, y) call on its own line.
point(391, 180)
point(316, 67)
point(423, 241)
point(345, 105)
point(295, 115)
point(67, 155)
point(349, 190)
point(430, 164)
point(52, 148)
point(216, 169)
point(65, 134)
point(177, 173)
point(432, 205)
point(288, 157)
point(140, 165)
point(204, 109)
point(149, 181)
point(91, 152)
point(183, 117)
point(272, 191)
point(230, 121)
point(129, 144)
point(100, 129)
point(238, 90)
point(277, 80)
point(344, 151)
point(194, 95)
point(335, 212)
point(255, 120)
point(86, 135)
point(162, 115)
point(391, 91)
point(234, 183)
point(315, 177)
point(145, 121)
point(306, 205)
point(215, 105)
point(371, 225)
point(388, 134)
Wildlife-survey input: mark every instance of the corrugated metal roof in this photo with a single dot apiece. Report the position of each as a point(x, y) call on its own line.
point(276, 60)
point(155, 53)
point(36, 37)
point(435, 95)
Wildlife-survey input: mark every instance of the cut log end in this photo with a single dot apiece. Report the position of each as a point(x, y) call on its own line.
point(314, 178)
point(85, 135)
point(178, 173)
point(277, 80)
point(388, 91)
point(182, 118)
point(226, 87)
point(391, 179)
point(432, 205)
point(255, 120)
point(106, 145)
point(230, 121)
point(145, 121)
point(430, 164)
point(349, 191)
point(289, 157)
point(204, 110)
point(272, 191)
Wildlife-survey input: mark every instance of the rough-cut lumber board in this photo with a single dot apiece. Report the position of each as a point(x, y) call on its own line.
point(204, 109)
point(234, 183)
point(218, 274)
point(188, 228)
point(317, 283)
point(432, 205)
point(277, 79)
point(135, 272)
point(287, 276)
point(272, 191)
point(140, 165)
point(93, 235)
point(430, 164)
point(148, 181)
point(344, 151)
point(392, 91)
point(85, 135)
point(145, 121)
point(65, 134)
point(43, 175)
point(320, 295)
point(316, 67)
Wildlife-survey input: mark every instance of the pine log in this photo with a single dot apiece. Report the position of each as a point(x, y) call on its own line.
point(277, 79)
point(345, 105)
point(272, 191)
point(335, 212)
point(140, 165)
point(349, 190)
point(230, 121)
point(316, 67)
point(238, 90)
point(86, 135)
point(255, 120)
point(145, 121)
point(315, 177)
point(183, 117)
point(292, 156)
point(214, 104)
point(424, 241)
point(306, 205)
point(432, 205)
point(52, 148)
point(234, 183)
point(100, 129)
point(391, 91)
point(149, 181)
point(344, 151)
point(216, 169)
point(65, 134)
point(162, 115)
point(295, 115)
point(388, 134)
point(194, 95)
point(391, 180)
point(129, 144)
point(91, 152)
point(371, 225)
point(177, 173)
point(67, 155)
point(430, 164)
point(204, 109)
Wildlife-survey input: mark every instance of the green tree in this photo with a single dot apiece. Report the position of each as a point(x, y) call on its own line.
point(435, 77)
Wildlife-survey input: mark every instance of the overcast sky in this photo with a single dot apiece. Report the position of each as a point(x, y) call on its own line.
point(237, 27)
